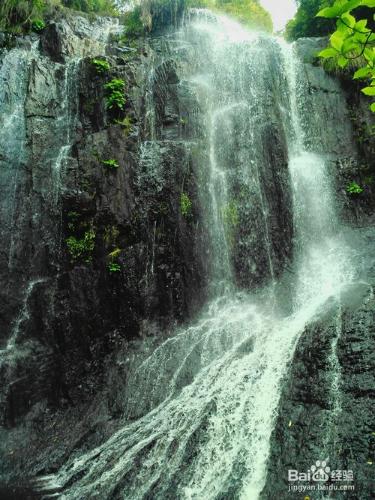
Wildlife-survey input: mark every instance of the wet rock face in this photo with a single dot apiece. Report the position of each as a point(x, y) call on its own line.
point(325, 410)
point(260, 254)
point(142, 261)
point(352, 161)
point(325, 406)
point(137, 264)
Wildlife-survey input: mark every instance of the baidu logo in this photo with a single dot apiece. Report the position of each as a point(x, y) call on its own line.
point(317, 472)
point(320, 477)
point(320, 471)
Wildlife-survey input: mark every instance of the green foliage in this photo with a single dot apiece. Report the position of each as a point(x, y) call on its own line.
point(230, 215)
point(125, 123)
point(149, 15)
point(73, 214)
point(73, 219)
point(133, 23)
point(80, 249)
point(115, 94)
point(231, 221)
point(200, 4)
point(115, 253)
point(106, 7)
point(353, 40)
point(18, 16)
point(111, 233)
point(305, 22)
point(354, 188)
point(114, 267)
point(112, 163)
point(38, 25)
point(185, 205)
point(163, 208)
point(101, 65)
point(248, 12)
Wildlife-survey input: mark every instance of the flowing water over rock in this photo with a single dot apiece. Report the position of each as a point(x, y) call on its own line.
point(13, 92)
point(39, 119)
point(200, 410)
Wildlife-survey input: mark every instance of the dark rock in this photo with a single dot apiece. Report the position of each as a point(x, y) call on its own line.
point(325, 410)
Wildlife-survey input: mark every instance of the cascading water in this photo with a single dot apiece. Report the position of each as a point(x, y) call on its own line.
point(13, 90)
point(38, 115)
point(199, 412)
point(67, 119)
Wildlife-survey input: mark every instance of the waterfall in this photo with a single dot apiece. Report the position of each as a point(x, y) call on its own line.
point(39, 108)
point(67, 119)
point(13, 91)
point(226, 71)
point(321, 256)
point(200, 410)
point(24, 314)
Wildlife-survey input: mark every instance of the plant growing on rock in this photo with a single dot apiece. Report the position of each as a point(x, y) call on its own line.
point(73, 219)
point(81, 248)
point(115, 98)
point(111, 233)
point(112, 163)
point(101, 65)
point(125, 124)
point(115, 253)
point(104, 7)
point(231, 220)
point(19, 16)
point(114, 267)
point(230, 215)
point(38, 25)
point(352, 41)
point(133, 24)
point(354, 188)
point(186, 205)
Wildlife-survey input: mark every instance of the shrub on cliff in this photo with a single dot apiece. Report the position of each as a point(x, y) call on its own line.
point(154, 14)
point(115, 97)
point(248, 12)
point(306, 24)
point(353, 40)
point(98, 6)
point(20, 16)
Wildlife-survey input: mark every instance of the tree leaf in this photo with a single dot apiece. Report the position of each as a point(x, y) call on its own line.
point(362, 73)
point(369, 91)
point(342, 62)
point(368, 3)
point(350, 45)
point(361, 25)
point(352, 4)
point(337, 40)
point(361, 37)
point(329, 12)
point(369, 55)
point(348, 19)
point(372, 107)
point(327, 53)
point(340, 7)
point(342, 28)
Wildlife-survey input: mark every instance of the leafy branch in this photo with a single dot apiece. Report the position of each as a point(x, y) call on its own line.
point(352, 40)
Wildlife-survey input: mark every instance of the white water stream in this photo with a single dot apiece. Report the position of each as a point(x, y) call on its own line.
point(207, 398)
